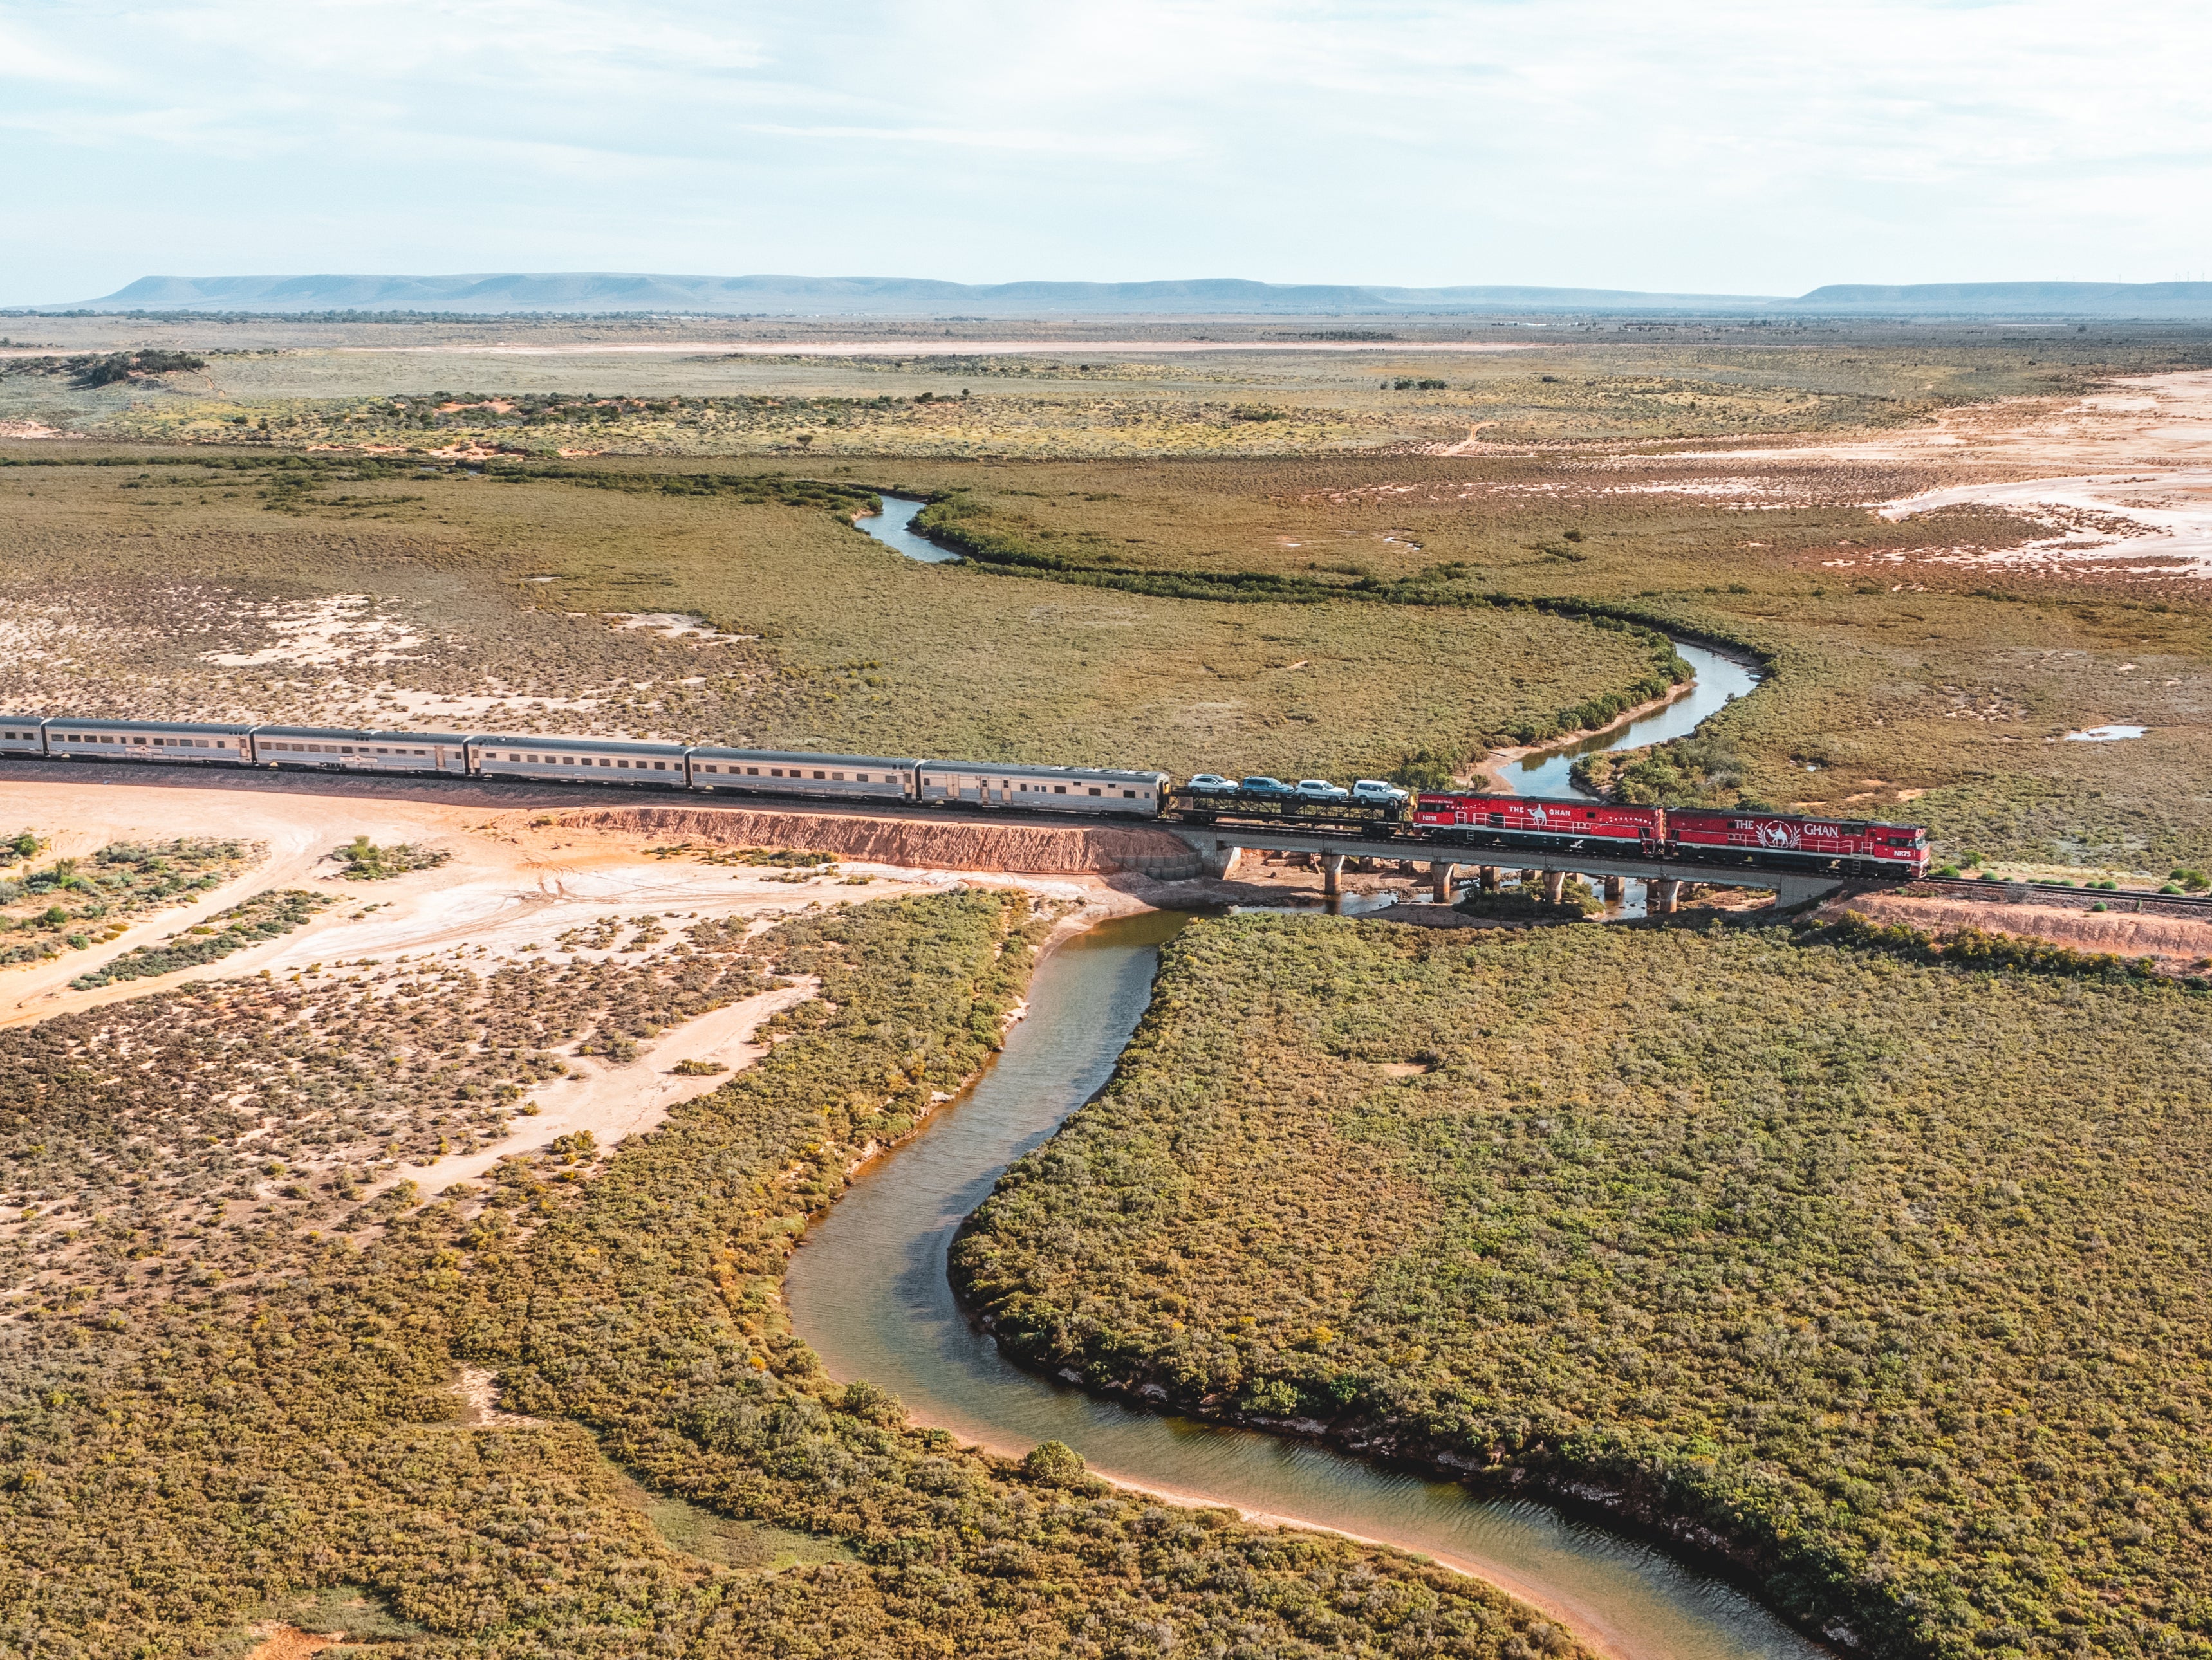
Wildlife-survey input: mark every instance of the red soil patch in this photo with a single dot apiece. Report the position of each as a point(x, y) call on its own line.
point(1042, 849)
point(2177, 942)
point(290, 1642)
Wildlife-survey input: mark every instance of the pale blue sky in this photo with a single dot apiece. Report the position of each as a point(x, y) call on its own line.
point(1742, 145)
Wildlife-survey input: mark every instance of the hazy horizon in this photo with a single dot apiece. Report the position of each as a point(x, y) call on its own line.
point(888, 298)
point(1732, 148)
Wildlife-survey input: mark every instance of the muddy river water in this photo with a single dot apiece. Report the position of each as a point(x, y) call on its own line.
point(869, 1290)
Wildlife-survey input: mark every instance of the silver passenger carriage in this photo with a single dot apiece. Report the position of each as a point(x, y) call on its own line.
point(779, 772)
point(22, 735)
point(578, 760)
point(332, 750)
point(72, 737)
point(1090, 790)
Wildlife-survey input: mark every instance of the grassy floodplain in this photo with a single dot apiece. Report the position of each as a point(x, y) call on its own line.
point(1938, 693)
point(212, 1412)
point(1918, 674)
point(1893, 1276)
point(737, 607)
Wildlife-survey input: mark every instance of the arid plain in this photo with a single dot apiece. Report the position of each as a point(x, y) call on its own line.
point(400, 1255)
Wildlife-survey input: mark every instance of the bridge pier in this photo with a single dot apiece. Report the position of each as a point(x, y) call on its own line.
point(1217, 849)
point(1615, 887)
point(1332, 867)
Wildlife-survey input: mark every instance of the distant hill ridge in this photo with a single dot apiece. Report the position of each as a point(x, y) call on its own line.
point(903, 296)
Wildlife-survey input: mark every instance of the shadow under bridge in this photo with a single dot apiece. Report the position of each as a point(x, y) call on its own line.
point(1220, 846)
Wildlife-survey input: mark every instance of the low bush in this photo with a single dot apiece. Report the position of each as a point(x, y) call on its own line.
point(274, 1414)
point(364, 861)
point(264, 917)
point(1881, 1264)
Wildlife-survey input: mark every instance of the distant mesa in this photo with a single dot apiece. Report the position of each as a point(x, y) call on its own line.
point(557, 291)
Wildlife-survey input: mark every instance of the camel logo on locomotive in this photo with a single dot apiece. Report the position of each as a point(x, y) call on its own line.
point(1776, 833)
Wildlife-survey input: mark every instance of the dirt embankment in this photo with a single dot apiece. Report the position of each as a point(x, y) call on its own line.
point(2177, 942)
point(1039, 849)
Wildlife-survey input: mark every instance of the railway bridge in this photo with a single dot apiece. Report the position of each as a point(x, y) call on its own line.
point(1219, 847)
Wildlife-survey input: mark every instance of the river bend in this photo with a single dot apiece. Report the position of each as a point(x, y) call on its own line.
point(869, 1290)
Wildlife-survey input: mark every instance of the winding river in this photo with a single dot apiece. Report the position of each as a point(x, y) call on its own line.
point(1720, 677)
point(868, 1290)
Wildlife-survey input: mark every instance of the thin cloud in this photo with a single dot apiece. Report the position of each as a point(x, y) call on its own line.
point(1728, 146)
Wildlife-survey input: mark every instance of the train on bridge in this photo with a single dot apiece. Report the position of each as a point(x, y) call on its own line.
point(1435, 820)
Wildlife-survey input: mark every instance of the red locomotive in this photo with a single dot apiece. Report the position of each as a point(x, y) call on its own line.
point(1853, 847)
point(1849, 847)
point(1532, 821)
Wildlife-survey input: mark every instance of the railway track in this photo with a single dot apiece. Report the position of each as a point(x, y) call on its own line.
point(2129, 900)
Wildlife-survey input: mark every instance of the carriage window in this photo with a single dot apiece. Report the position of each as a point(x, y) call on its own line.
point(752, 772)
point(1095, 792)
point(1059, 789)
point(840, 777)
point(775, 772)
point(1129, 795)
point(660, 767)
point(817, 775)
point(622, 763)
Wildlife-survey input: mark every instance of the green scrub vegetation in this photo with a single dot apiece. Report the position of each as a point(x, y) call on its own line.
point(1884, 1277)
point(273, 1427)
point(727, 608)
point(362, 860)
point(1919, 671)
point(252, 922)
point(76, 903)
point(1596, 381)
